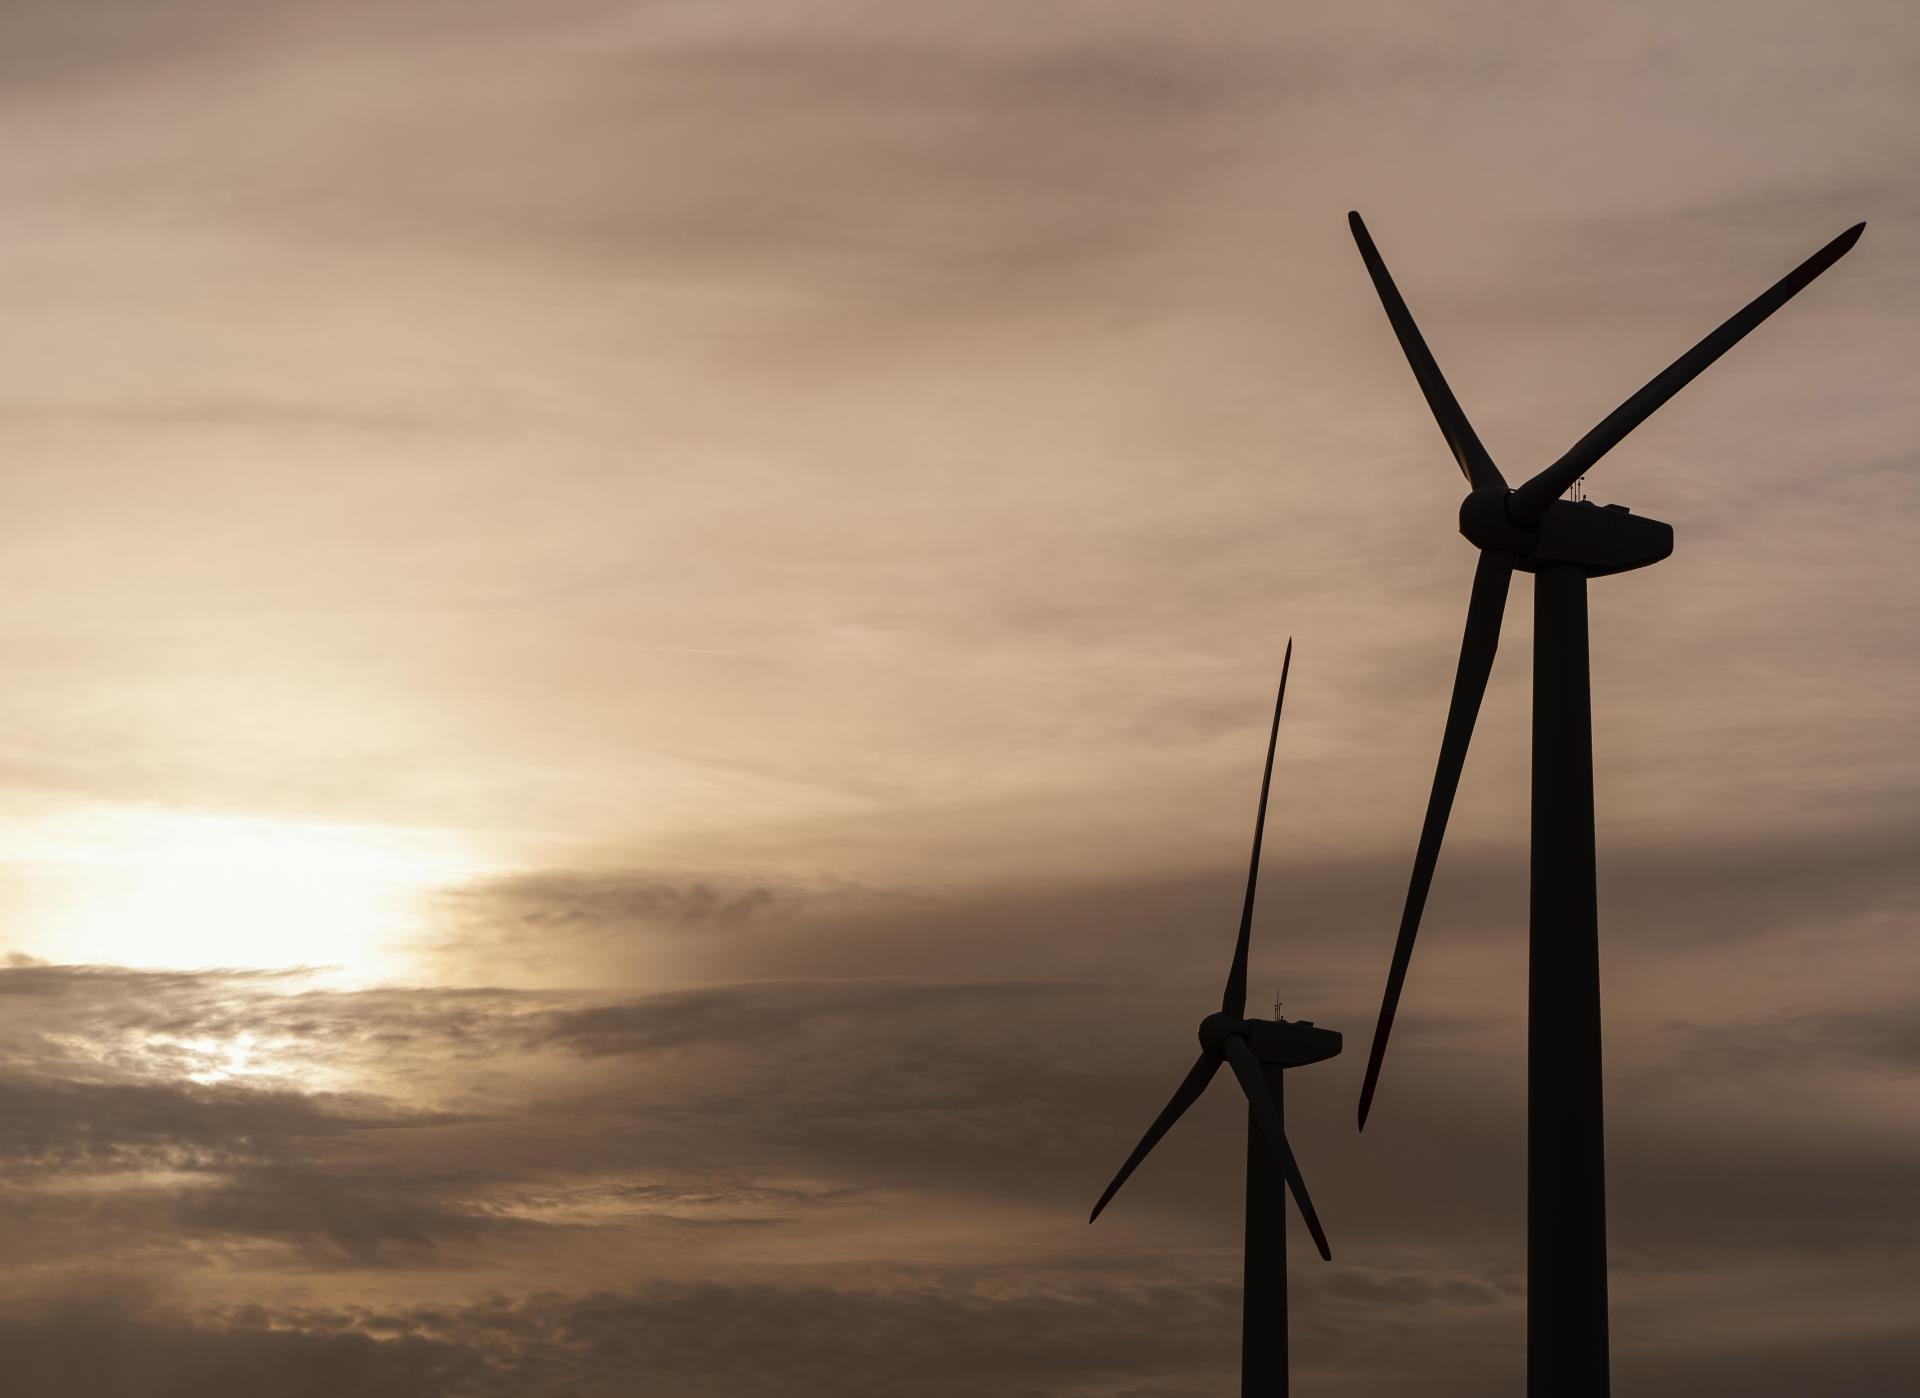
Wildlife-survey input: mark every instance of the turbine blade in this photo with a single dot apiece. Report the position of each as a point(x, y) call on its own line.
point(1484, 610)
point(1184, 1096)
point(1234, 1000)
point(1475, 464)
point(1530, 501)
point(1253, 1082)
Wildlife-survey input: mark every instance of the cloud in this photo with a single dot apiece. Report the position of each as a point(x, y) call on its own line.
point(351, 1214)
point(1873, 1041)
point(854, 1334)
point(711, 1017)
point(841, 1107)
point(883, 1336)
point(100, 1348)
point(50, 1123)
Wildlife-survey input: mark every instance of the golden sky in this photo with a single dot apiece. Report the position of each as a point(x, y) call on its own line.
point(638, 636)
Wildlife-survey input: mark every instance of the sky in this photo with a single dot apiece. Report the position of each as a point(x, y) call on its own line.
point(639, 637)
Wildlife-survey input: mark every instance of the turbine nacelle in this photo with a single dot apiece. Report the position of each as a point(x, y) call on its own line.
point(1600, 539)
point(1285, 1043)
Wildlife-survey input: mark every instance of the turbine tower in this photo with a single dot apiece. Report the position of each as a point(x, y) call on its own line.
point(1259, 1051)
point(1562, 543)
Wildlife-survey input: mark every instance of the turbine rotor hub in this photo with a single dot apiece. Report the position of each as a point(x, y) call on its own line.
point(1216, 1029)
point(1486, 524)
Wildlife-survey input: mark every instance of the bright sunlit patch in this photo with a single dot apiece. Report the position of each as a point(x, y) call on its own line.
point(207, 1060)
point(166, 890)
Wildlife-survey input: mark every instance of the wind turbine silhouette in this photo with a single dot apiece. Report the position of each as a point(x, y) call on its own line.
point(1259, 1052)
point(1562, 543)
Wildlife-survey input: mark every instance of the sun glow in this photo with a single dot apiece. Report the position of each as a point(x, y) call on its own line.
point(182, 891)
point(214, 1061)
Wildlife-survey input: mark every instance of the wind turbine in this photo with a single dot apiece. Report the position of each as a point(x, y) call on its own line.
point(1562, 543)
point(1259, 1051)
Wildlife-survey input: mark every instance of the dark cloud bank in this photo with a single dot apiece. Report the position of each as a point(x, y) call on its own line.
point(706, 1130)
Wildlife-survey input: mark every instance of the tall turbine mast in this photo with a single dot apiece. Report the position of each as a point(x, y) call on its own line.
point(1562, 543)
